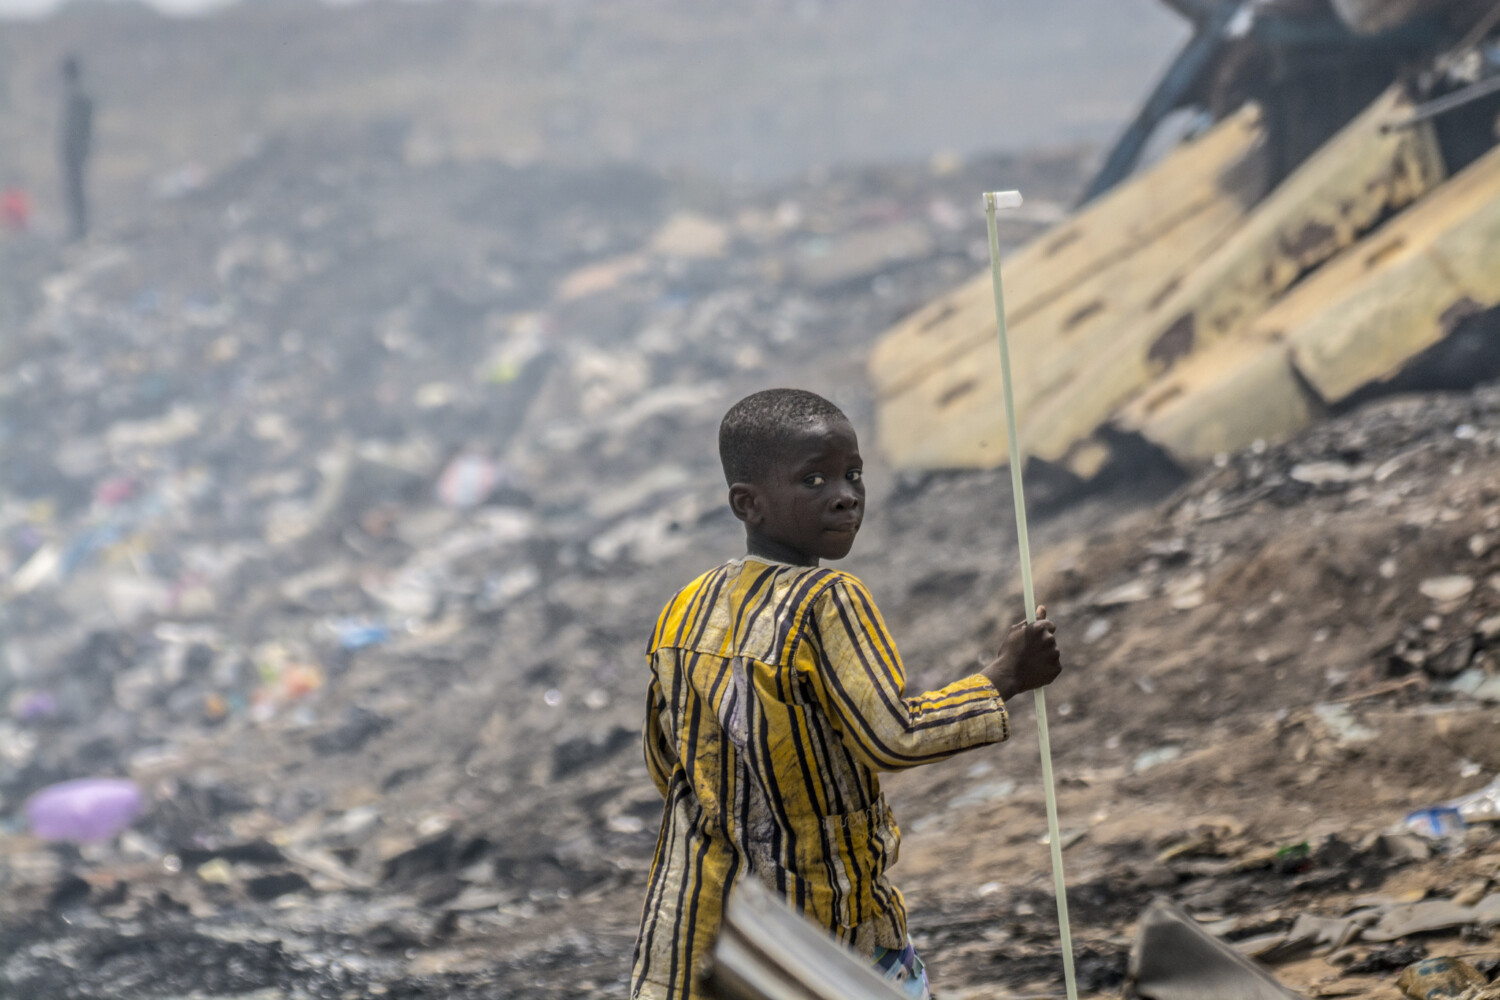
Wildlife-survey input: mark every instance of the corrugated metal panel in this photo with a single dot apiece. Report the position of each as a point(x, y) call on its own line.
point(1354, 181)
point(1422, 274)
point(937, 373)
point(1096, 327)
point(1357, 320)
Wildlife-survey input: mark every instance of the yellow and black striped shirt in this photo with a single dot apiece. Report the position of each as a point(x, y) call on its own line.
point(776, 696)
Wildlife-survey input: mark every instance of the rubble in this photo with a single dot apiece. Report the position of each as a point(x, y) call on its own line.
point(320, 560)
point(1392, 958)
point(337, 501)
point(1433, 978)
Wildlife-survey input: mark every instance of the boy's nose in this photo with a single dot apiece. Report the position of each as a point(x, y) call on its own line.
point(846, 499)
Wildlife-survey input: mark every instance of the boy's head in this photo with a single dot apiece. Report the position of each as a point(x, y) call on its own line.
point(795, 477)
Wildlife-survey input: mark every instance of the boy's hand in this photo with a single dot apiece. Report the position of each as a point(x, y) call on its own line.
point(1028, 658)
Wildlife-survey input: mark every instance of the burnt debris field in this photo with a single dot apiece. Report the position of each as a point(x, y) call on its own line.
point(344, 476)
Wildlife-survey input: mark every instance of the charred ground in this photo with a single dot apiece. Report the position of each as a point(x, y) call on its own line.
point(343, 485)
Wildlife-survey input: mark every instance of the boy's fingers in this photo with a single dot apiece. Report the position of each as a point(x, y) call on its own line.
point(1041, 611)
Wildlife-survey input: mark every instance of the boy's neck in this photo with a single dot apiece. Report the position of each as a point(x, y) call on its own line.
point(759, 547)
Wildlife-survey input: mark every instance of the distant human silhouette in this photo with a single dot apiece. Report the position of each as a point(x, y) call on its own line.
point(75, 139)
point(15, 209)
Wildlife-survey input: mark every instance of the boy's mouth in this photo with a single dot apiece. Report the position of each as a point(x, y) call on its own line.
point(845, 527)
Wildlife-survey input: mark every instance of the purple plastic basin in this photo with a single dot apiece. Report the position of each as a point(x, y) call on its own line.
point(85, 810)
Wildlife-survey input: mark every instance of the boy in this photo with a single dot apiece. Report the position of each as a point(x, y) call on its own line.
point(776, 695)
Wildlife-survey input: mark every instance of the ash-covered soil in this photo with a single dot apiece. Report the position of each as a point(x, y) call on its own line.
point(340, 492)
point(342, 487)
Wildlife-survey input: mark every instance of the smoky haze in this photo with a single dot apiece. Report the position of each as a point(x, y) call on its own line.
point(361, 369)
point(755, 90)
point(350, 454)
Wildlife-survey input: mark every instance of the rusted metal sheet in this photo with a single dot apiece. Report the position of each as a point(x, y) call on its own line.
point(1175, 958)
point(937, 374)
point(1356, 179)
point(1113, 335)
point(768, 951)
point(1223, 400)
point(1357, 320)
point(1423, 273)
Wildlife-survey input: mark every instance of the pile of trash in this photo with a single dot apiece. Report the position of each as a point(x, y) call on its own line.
point(342, 486)
point(339, 488)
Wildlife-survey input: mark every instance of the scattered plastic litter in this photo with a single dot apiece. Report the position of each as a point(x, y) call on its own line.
point(1482, 806)
point(1346, 729)
point(35, 706)
point(84, 811)
point(284, 419)
point(1153, 758)
point(1436, 823)
point(358, 633)
point(467, 481)
point(1446, 589)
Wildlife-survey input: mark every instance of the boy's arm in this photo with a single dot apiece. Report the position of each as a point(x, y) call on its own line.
point(861, 685)
point(660, 755)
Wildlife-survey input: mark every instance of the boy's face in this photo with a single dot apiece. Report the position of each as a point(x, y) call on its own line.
point(811, 502)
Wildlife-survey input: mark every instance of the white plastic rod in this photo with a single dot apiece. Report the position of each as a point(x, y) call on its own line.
point(992, 201)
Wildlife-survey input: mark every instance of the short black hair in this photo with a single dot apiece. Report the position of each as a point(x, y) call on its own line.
point(757, 427)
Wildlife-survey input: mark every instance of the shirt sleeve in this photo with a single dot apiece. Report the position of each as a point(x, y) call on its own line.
point(861, 685)
point(661, 758)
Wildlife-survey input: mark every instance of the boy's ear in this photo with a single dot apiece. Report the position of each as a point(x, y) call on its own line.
point(744, 500)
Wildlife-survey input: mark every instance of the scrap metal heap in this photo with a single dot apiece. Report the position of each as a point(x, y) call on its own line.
point(1327, 232)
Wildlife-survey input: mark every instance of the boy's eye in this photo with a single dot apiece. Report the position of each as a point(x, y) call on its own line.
point(816, 479)
point(855, 475)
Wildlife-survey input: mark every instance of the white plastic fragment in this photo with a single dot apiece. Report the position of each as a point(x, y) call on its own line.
point(1445, 589)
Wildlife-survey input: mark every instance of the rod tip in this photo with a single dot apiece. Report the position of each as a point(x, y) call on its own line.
point(1002, 199)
